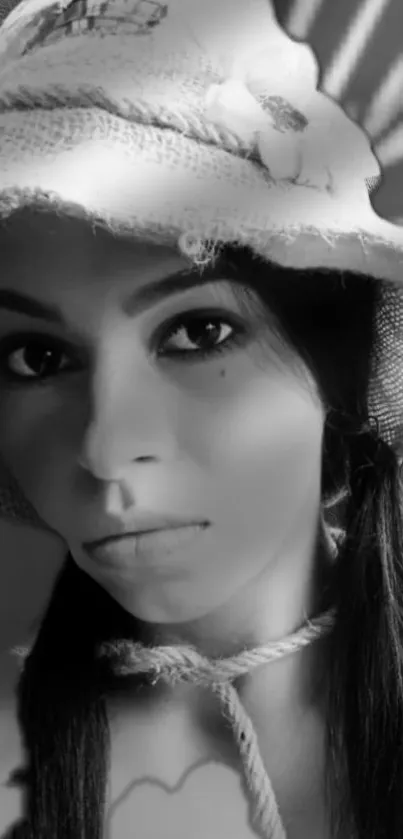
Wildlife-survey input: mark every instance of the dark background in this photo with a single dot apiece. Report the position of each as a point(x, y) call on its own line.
point(359, 45)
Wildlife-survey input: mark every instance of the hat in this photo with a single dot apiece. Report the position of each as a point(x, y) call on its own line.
point(197, 123)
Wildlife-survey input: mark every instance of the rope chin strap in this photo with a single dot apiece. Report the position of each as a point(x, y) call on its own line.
point(183, 663)
point(174, 664)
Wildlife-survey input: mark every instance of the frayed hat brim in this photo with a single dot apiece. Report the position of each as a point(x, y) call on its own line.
point(152, 183)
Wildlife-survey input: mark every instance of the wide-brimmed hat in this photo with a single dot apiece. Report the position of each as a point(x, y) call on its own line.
point(196, 124)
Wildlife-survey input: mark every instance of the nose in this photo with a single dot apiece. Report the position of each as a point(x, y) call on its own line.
point(132, 420)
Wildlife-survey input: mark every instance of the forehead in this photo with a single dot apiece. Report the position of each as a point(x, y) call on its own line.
point(46, 244)
point(59, 262)
point(68, 267)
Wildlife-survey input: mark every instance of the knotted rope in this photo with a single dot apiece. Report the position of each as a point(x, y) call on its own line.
point(174, 664)
point(183, 663)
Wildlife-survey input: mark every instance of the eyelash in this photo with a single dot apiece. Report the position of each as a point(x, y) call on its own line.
point(22, 340)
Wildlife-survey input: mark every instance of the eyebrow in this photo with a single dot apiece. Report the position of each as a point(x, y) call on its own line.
point(139, 301)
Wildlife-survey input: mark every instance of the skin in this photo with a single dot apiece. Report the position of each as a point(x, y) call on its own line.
point(235, 439)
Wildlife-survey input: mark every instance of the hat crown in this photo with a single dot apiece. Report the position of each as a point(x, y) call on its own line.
point(157, 62)
point(231, 30)
point(239, 40)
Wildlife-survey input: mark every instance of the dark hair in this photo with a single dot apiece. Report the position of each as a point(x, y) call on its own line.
point(329, 318)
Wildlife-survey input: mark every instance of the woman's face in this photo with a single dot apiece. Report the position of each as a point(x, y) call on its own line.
point(113, 414)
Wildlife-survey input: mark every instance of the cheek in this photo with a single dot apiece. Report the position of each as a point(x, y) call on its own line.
point(253, 442)
point(45, 482)
point(265, 449)
point(33, 451)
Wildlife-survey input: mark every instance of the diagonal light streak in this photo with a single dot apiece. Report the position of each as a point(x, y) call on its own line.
point(386, 101)
point(352, 47)
point(301, 17)
point(351, 108)
point(390, 149)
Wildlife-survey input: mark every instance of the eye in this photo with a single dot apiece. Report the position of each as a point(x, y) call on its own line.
point(33, 359)
point(211, 333)
point(22, 353)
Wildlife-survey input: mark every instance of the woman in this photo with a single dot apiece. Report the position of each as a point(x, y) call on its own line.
point(221, 352)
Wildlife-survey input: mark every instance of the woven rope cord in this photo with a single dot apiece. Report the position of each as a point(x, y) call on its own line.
point(174, 664)
point(139, 111)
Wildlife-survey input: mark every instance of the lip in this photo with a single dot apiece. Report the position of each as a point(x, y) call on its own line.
point(144, 525)
point(159, 547)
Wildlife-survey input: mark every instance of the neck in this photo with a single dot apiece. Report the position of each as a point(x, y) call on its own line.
point(293, 682)
point(294, 586)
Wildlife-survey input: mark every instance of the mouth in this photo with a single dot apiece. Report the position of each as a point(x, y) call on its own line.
point(145, 526)
point(144, 548)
